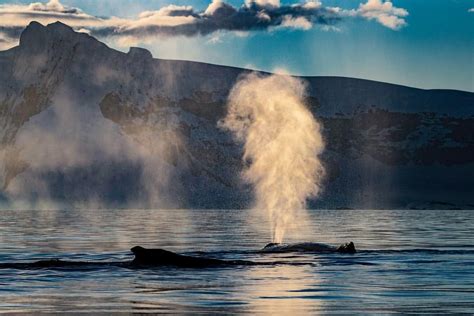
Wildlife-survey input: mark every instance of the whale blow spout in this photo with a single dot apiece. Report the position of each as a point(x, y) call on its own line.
point(282, 142)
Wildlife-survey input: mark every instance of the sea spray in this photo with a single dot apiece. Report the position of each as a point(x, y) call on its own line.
point(282, 144)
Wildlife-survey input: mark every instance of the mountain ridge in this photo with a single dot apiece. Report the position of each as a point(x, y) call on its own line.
point(59, 25)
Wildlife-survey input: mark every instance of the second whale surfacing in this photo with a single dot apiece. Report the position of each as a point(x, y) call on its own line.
point(309, 247)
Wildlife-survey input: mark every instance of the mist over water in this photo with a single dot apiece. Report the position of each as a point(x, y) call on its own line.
point(282, 144)
point(75, 156)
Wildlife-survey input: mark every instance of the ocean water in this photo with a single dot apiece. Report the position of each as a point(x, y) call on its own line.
point(407, 261)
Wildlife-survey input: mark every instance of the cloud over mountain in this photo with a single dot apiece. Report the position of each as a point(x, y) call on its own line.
point(176, 20)
point(384, 13)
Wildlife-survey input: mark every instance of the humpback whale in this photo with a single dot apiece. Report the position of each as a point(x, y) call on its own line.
point(309, 247)
point(144, 258)
point(149, 258)
point(161, 257)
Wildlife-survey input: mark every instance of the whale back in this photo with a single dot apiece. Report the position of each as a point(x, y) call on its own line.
point(156, 256)
point(309, 247)
point(161, 257)
point(347, 248)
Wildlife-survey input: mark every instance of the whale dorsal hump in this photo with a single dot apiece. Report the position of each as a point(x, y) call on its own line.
point(137, 249)
point(347, 248)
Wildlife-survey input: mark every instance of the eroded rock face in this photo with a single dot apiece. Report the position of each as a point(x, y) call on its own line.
point(396, 138)
point(82, 123)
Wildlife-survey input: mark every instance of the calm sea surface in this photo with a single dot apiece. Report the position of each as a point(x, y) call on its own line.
point(408, 261)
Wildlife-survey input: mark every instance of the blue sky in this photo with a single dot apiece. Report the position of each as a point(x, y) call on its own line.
point(435, 49)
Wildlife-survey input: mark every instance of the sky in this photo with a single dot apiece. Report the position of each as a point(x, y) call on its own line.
point(418, 43)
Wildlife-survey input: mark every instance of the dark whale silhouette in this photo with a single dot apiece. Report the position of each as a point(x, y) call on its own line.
point(149, 258)
point(144, 258)
point(60, 264)
point(161, 257)
point(309, 247)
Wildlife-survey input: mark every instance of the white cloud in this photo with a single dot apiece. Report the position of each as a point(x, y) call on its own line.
point(471, 10)
point(262, 15)
point(21, 15)
point(383, 12)
point(312, 4)
point(213, 7)
point(53, 5)
point(6, 42)
point(296, 23)
point(167, 16)
point(263, 3)
point(176, 20)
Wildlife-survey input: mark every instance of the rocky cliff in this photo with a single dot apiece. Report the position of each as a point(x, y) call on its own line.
point(85, 125)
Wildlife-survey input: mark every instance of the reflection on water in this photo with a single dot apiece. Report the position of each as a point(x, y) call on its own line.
point(278, 290)
point(408, 261)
